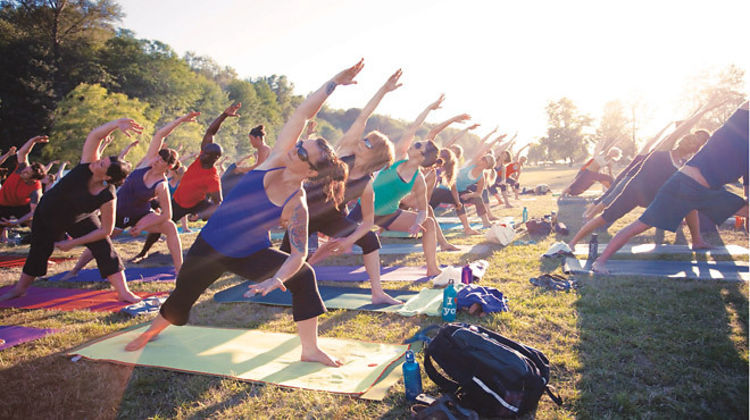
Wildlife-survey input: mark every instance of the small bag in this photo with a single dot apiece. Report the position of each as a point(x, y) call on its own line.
point(489, 373)
point(537, 226)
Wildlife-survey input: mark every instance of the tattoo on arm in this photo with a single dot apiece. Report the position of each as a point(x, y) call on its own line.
point(298, 229)
point(330, 88)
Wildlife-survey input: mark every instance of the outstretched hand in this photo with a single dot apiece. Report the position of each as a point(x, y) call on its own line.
point(65, 245)
point(265, 287)
point(190, 116)
point(436, 105)
point(232, 110)
point(415, 229)
point(127, 126)
point(41, 139)
point(473, 126)
point(392, 83)
point(346, 77)
point(461, 118)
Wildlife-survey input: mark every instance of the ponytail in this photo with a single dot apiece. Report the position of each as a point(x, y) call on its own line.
point(332, 174)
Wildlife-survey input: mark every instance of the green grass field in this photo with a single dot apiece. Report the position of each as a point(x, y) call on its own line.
point(619, 348)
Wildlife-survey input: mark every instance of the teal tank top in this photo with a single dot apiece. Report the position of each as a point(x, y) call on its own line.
point(390, 189)
point(463, 179)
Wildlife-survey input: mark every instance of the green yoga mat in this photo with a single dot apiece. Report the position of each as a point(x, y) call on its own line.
point(426, 301)
point(256, 356)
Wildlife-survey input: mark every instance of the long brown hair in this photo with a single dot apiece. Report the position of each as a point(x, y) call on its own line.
point(332, 173)
point(449, 165)
point(382, 152)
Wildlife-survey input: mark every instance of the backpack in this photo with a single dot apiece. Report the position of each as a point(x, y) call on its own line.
point(537, 226)
point(489, 373)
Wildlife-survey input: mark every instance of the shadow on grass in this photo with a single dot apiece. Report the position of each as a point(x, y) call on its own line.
point(662, 348)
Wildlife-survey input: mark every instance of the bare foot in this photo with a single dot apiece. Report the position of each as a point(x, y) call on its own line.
point(598, 267)
point(141, 341)
point(472, 232)
point(69, 275)
point(449, 247)
point(129, 297)
point(492, 217)
point(701, 245)
point(509, 206)
point(382, 297)
point(12, 294)
point(138, 259)
point(320, 356)
point(431, 273)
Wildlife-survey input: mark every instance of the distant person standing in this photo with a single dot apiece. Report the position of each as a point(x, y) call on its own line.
point(234, 172)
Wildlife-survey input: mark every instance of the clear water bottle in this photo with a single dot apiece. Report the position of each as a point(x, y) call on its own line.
point(525, 215)
point(449, 302)
point(593, 248)
point(412, 377)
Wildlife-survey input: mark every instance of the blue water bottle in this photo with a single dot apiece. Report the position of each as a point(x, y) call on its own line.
point(449, 302)
point(525, 215)
point(412, 377)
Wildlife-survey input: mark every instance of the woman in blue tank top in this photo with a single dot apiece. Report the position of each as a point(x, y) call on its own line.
point(144, 184)
point(236, 237)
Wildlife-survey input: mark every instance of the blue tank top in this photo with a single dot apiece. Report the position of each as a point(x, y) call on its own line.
point(239, 227)
point(463, 179)
point(134, 197)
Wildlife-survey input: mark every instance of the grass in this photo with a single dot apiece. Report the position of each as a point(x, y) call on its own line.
point(620, 348)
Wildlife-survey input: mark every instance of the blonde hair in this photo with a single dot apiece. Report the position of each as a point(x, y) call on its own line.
point(382, 152)
point(457, 150)
point(449, 165)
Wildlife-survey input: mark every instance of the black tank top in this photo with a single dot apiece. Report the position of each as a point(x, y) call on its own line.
point(69, 200)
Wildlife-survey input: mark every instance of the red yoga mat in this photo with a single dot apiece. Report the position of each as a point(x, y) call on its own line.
point(70, 299)
point(8, 261)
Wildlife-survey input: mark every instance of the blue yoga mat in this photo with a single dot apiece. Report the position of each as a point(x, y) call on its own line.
point(334, 297)
point(699, 270)
point(131, 274)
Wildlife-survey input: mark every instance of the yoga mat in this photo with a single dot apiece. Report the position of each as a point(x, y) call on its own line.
point(345, 273)
point(335, 297)
point(8, 261)
point(455, 220)
point(653, 249)
point(699, 270)
point(131, 274)
point(253, 355)
point(12, 335)
point(69, 299)
point(404, 249)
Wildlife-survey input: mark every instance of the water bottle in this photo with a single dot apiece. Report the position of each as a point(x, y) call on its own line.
point(412, 377)
point(525, 215)
point(593, 248)
point(466, 275)
point(449, 302)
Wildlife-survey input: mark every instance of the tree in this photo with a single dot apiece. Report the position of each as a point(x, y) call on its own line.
point(614, 127)
point(565, 139)
point(727, 83)
point(87, 107)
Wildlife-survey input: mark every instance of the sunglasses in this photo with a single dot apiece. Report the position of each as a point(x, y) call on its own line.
point(303, 156)
point(367, 143)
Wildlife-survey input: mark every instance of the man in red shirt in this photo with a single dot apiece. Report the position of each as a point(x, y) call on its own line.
point(22, 190)
point(199, 192)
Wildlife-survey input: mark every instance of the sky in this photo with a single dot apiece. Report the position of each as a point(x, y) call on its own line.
point(499, 61)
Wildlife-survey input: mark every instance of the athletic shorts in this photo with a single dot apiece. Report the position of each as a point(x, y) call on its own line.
point(682, 194)
point(383, 221)
point(122, 221)
point(18, 212)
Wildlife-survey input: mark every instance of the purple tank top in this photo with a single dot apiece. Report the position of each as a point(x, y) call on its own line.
point(134, 197)
point(239, 227)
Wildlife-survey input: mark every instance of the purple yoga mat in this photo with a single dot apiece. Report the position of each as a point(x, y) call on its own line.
point(131, 274)
point(12, 335)
point(352, 274)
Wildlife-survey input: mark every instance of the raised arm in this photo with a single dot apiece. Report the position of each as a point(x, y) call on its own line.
point(23, 153)
point(61, 170)
point(518, 153)
point(443, 125)
point(48, 166)
point(292, 129)
point(212, 129)
point(688, 124)
point(353, 135)
point(485, 146)
point(124, 152)
point(405, 141)
point(460, 135)
point(91, 151)
point(157, 141)
point(4, 157)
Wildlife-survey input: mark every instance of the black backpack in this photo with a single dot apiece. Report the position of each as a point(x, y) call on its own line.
point(489, 373)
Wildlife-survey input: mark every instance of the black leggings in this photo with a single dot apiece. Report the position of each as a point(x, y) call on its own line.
point(203, 265)
point(44, 236)
point(336, 225)
point(440, 196)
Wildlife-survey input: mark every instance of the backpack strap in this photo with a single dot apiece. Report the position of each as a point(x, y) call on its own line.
point(444, 383)
point(556, 398)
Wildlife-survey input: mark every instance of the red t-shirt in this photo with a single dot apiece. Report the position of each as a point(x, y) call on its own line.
point(15, 192)
point(511, 169)
point(195, 184)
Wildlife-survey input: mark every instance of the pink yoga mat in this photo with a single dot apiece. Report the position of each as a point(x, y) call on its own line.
point(352, 273)
point(12, 335)
point(69, 299)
